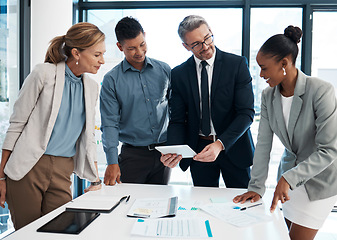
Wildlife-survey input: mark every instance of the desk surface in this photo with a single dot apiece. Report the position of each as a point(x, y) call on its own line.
point(116, 225)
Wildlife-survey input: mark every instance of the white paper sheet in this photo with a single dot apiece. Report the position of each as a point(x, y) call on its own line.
point(173, 228)
point(230, 213)
point(184, 150)
point(154, 207)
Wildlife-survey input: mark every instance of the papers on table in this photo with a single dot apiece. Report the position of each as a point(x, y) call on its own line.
point(154, 207)
point(184, 150)
point(189, 208)
point(173, 227)
point(94, 203)
point(221, 199)
point(230, 213)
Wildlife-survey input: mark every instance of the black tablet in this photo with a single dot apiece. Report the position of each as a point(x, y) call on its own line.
point(69, 222)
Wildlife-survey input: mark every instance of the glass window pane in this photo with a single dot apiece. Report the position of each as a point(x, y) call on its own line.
point(119, 0)
point(266, 22)
point(164, 44)
point(8, 81)
point(324, 47)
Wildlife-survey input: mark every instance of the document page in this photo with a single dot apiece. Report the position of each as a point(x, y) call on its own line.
point(232, 214)
point(154, 207)
point(173, 228)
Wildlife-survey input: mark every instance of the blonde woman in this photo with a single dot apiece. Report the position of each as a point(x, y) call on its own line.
point(51, 132)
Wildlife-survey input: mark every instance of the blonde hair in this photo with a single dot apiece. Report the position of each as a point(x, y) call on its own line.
point(80, 36)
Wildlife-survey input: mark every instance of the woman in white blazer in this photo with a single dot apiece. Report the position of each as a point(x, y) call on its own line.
point(51, 132)
point(302, 112)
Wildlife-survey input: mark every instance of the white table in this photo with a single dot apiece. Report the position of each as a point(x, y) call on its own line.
point(116, 225)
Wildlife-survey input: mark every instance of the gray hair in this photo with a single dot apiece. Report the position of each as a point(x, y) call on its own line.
point(189, 24)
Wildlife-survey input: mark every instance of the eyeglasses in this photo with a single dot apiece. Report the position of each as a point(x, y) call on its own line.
point(197, 47)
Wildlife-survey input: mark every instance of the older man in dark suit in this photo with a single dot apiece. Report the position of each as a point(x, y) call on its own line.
point(212, 108)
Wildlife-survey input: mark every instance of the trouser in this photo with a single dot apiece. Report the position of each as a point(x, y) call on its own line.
point(141, 165)
point(207, 174)
point(44, 188)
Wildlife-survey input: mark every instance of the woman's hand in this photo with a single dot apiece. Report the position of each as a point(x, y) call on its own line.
point(253, 196)
point(2, 193)
point(93, 188)
point(281, 193)
point(4, 158)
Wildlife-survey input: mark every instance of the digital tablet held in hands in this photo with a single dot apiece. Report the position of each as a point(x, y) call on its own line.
point(69, 222)
point(184, 150)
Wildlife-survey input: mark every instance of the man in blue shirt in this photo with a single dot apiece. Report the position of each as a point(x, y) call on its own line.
point(134, 110)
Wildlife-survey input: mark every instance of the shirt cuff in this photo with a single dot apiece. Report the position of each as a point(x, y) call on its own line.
point(112, 157)
point(223, 146)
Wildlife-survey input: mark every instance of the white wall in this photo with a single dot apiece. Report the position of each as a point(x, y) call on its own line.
point(49, 18)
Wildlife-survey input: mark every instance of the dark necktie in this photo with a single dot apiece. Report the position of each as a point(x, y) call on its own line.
point(205, 118)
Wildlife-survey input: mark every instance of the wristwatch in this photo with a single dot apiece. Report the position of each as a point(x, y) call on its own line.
point(96, 183)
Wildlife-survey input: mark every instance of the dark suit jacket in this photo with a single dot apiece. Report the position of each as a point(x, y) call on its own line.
point(232, 107)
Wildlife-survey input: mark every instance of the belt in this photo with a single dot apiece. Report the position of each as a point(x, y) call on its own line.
point(150, 147)
point(212, 138)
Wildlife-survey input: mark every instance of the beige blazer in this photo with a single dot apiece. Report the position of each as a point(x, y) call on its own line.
point(34, 116)
point(310, 141)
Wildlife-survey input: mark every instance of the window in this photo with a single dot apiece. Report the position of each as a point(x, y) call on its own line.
point(9, 83)
point(163, 44)
point(261, 30)
point(324, 48)
point(261, 19)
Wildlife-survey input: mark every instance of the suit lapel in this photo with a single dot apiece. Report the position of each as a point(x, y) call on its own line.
point(297, 103)
point(58, 91)
point(216, 72)
point(87, 102)
point(278, 112)
point(193, 79)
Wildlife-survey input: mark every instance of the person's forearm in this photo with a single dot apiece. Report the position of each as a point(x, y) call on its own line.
point(4, 159)
point(97, 171)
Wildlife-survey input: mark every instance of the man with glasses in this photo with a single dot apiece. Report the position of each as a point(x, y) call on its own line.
point(212, 108)
point(134, 110)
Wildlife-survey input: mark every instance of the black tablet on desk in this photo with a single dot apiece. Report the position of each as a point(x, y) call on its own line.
point(69, 222)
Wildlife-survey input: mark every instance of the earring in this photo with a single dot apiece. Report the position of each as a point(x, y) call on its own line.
point(76, 62)
point(284, 71)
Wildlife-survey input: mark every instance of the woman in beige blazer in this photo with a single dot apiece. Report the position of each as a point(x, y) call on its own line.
point(302, 112)
point(51, 132)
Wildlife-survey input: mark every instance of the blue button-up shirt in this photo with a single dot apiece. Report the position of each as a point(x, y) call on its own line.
point(133, 106)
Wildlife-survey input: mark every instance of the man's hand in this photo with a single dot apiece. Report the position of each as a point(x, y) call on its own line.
point(253, 196)
point(209, 153)
point(281, 193)
point(170, 160)
point(112, 174)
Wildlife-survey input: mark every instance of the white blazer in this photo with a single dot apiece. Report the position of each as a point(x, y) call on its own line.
point(34, 116)
point(310, 141)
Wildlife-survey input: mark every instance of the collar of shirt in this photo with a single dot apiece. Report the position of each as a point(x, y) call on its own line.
point(210, 61)
point(209, 69)
point(126, 65)
point(71, 76)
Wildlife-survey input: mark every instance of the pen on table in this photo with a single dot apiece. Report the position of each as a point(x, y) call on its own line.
point(119, 202)
point(127, 199)
point(244, 208)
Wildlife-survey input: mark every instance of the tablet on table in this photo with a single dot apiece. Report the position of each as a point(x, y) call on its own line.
point(69, 222)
